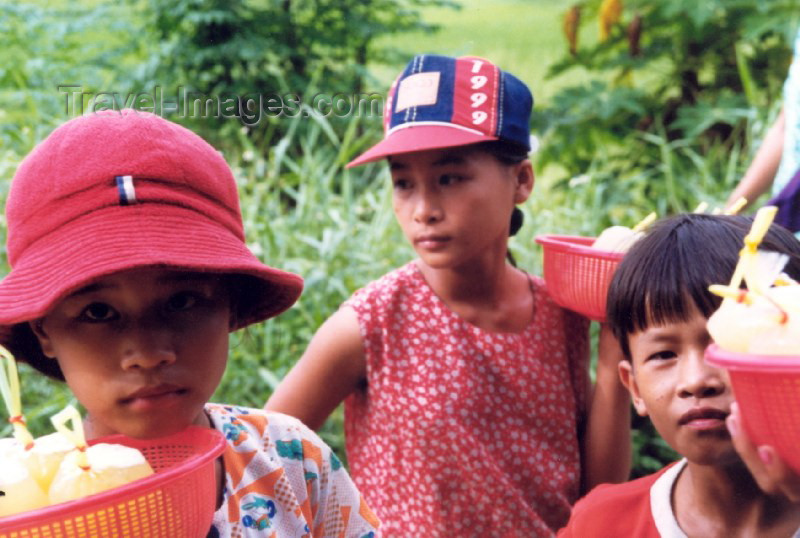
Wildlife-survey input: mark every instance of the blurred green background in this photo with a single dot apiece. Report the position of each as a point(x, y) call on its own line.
point(640, 106)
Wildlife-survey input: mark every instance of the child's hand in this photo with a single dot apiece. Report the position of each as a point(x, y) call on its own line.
point(609, 352)
point(768, 469)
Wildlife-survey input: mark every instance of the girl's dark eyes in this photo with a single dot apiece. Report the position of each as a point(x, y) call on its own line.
point(101, 312)
point(662, 355)
point(98, 312)
point(401, 184)
point(449, 179)
point(443, 180)
point(181, 301)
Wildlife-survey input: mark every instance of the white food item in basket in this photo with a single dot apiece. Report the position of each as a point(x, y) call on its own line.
point(733, 326)
point(767, 326)
point(20, 491)
point(782, 336)
point(42, 459)
point(45, 457)
point(110, 466)
point(9, 444)
point(616, 239)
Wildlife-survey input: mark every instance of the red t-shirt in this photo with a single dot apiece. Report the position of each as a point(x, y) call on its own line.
point(460, 431)
point(615, 510)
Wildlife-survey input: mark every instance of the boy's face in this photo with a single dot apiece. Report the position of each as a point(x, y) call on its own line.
point(455, 204)
point(686, 398)
point(143, 349)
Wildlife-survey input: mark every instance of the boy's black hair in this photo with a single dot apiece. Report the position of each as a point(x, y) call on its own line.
point(676, 262)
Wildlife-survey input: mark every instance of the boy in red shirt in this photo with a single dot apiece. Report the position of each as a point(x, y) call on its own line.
point(658, 305)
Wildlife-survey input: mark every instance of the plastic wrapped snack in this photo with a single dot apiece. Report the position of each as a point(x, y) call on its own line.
point(91, 469)
point(616, 239)
point(20, 491)
point(59, 466)
point(622, 238)
point(764, 318)
point(45, 456)
point(109, 466)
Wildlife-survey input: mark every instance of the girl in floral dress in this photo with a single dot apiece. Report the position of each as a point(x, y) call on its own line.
point(468, 405)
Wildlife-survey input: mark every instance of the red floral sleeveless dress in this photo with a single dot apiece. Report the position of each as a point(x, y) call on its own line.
point(460, 431)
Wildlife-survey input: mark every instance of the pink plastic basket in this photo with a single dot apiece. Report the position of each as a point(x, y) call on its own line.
point(767, 389)
point(177, 500)
point(578, 275)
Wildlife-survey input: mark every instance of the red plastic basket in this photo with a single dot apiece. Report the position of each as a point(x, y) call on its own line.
point(578, 275)
point(177, 500)
point(767, 389)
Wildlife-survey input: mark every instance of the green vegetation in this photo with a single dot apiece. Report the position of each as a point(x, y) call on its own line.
point(620, 134)
point(523, 36)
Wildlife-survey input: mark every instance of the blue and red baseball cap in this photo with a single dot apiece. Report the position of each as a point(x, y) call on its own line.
point(441, 102)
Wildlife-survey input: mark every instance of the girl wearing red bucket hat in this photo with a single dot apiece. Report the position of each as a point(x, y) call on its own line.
point(129, 270)
point(466, 388)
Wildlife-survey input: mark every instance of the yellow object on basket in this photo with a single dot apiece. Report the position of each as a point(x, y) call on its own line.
point(9, 390)
point(763, 319)
point(45, 456)
point(110, 466)
point(736, 206)
point(20, 491)
point(622, 238)
point(91, 469)
point(27, 465)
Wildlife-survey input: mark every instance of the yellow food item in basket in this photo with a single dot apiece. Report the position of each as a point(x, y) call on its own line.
point(735, 325)
point(45, 456)
point(9, 444)
point(616, 239)
point(60, 466)
point(782, 335)
point(92, 469)
point(763, 319)
point(109, 466)
point(622, 238)
point(20, 491)
point(41, 457)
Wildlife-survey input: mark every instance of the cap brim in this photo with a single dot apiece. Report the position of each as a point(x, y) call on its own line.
point(101, 243)
point(419, 138)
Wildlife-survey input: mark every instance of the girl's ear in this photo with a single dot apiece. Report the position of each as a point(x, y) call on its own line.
point(525, 179)
point(37, 326)
point(629, 380)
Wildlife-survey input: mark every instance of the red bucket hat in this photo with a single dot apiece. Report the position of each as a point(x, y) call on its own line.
point(441, 102)
point(116, 190)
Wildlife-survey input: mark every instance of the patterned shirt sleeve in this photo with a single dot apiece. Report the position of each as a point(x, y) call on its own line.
point(281, 479)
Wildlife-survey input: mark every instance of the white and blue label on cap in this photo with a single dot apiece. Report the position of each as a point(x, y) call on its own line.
point(424, 91)
point(126, 190)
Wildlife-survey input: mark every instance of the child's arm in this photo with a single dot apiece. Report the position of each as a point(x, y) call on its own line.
point(607, 443)
point(333, 365)
point(761, 173)
point(771, 473)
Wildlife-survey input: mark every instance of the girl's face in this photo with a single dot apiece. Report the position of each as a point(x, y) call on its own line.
point(455, 204)
point(686, 398)
point(143, 349)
